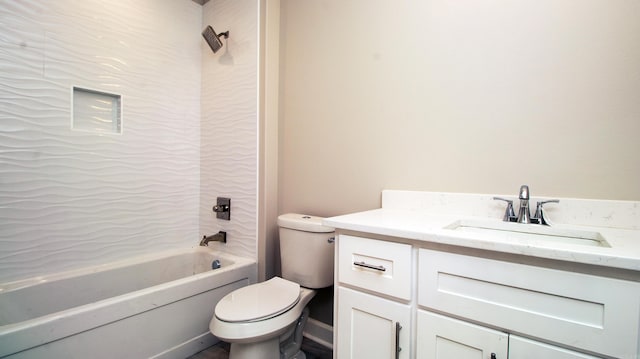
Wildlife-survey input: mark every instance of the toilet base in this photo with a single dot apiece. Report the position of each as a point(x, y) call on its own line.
point(286, 346)
point(290, 347)
point(263, 350)
point(260, 350)
point(299, 355)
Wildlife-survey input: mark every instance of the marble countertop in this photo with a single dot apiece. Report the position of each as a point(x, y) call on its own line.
point(426, 223)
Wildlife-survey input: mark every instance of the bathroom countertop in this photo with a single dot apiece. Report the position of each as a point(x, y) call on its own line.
point(423, 224)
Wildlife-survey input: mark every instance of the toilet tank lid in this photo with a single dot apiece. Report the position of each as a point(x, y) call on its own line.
point(303, 222)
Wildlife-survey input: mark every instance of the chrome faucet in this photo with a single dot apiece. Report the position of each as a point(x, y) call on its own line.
point(509, 213)
point(539, 215)
point(524, 213)
point(218, 237)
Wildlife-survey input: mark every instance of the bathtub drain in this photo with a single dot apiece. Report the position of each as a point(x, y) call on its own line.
point(215, 264)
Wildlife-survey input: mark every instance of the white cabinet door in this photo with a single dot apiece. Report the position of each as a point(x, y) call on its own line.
point(597, 314)
point(368, 327)
point(440, 337)
point(522, 348)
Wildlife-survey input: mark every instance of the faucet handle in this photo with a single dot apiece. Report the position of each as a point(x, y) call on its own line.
point(539, 215)
point(509, 213)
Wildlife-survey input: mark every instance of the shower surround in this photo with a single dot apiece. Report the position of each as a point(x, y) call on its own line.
point(71, 198)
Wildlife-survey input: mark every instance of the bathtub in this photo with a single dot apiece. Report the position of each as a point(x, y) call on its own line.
point(154, 306)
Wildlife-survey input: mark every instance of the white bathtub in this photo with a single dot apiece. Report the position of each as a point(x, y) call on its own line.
point(152, 306)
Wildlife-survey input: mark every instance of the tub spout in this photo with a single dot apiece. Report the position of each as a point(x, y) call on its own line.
point(218, 237)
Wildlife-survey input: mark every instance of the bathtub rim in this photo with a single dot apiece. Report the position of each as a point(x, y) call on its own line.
point(16, 337)
point(120, 263)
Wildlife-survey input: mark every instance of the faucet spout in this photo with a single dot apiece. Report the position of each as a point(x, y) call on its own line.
point(524, 214)
point(221, 236)
point(524, 192)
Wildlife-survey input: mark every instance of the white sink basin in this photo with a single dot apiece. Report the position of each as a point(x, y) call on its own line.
point(530, 232)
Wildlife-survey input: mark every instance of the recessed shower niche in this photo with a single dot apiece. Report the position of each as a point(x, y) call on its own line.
point(96, 111)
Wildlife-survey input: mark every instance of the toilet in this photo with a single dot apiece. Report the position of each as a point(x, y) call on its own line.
point(265, 320)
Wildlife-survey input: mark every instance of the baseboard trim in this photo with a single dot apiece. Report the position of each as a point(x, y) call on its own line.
point(319, 332)
point(189, 347)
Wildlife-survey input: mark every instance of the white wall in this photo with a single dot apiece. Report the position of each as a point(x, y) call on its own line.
point(269, 81)
point(459, 96)
point(71, 198)
point(229, 128)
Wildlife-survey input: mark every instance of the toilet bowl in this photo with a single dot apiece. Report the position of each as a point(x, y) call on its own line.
point(256, 332)
point(265, 320)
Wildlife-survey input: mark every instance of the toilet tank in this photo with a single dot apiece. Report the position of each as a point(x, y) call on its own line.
point(306, 250)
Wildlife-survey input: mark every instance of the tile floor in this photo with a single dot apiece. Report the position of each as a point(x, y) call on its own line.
point(221, 351)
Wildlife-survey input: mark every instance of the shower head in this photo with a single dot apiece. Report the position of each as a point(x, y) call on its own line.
point(213, 39)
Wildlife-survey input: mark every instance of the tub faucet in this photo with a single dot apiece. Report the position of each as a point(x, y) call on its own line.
point(218, 237)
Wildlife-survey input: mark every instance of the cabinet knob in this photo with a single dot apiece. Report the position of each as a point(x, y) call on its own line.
point(493, 356)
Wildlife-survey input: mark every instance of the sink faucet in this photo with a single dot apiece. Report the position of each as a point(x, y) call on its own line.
point(524, 213)
point(539, 215)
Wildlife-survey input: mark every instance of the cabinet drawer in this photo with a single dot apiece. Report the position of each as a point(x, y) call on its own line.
point(579, 310)
point(375, 265)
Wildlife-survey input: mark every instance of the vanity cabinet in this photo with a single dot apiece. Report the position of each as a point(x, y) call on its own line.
point(374, 291)
point(584, 311)
point(522, 348)
point(441, 337)
point(381, 267)
point(372, 327)
point(454, 303)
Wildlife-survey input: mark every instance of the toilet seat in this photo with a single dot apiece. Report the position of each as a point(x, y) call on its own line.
point(259, 301)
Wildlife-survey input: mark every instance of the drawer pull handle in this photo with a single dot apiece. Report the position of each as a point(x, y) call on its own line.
point(370, 266)
point(493, 355)
point(398, 349)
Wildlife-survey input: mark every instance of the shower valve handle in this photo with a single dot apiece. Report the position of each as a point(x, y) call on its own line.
point(221, 208)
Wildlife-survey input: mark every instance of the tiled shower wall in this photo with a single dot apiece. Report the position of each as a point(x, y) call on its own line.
point(72, 198)
point(229, 127)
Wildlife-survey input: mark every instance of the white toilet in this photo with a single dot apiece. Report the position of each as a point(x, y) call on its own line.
point(265, 320)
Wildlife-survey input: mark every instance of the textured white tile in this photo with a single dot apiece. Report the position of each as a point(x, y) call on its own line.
point(70, 198)
point(230, 124)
